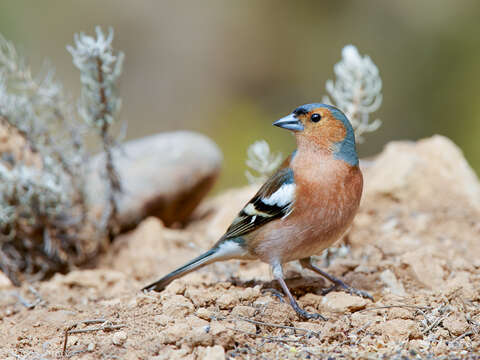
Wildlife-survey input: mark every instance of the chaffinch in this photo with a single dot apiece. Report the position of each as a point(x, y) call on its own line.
point(302, 209)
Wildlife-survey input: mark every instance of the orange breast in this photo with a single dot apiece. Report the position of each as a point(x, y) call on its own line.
point(327, 198)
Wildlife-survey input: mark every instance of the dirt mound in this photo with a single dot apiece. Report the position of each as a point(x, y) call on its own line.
point(414, 246)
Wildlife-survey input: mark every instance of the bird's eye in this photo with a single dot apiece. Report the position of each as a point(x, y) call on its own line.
point(315, 117)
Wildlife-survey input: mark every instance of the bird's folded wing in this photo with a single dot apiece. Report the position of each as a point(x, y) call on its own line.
point(274, 200)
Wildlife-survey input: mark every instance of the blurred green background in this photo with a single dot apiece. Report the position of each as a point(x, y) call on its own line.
point(229, 69)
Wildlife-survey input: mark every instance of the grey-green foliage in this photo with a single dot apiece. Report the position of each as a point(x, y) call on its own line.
point(356, 90)
point(99, 69)
point(261, 161)
point(34, 107)
point(43, 209)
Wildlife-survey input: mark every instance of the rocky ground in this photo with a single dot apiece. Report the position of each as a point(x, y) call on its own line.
point(414, 246)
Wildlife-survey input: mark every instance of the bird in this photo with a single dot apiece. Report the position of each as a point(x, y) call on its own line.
point(302, 209)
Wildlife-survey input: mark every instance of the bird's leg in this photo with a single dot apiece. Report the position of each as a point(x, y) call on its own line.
point(278, 274)
point(338, 284)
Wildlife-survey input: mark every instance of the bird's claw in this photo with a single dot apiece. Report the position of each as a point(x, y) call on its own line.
point(307, 315)
point(360, 293)
point(275, 293)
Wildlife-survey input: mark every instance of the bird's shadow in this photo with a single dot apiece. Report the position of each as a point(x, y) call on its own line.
point(298, 284)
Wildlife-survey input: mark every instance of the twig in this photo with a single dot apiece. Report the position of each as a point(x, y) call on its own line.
point(114, 185)
point(361, 328)
point(26, 303)
point(106, 326)
point(435, 323)
point(92, 321)
point(468, 333)
point(394, 306)
point(36, 294)
point(279, 326)
point(270, 338)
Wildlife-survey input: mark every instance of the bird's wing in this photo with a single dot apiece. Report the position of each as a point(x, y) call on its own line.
point(274, 200)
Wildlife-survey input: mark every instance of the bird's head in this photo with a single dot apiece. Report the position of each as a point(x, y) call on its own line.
point(323, 126)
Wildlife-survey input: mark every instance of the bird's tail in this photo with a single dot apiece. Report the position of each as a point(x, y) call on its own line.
point(204, 259)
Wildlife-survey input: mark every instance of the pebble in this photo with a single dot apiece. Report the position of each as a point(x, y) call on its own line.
point(216, 352)
point(226, 301)
point(243, 311)
point(456, 324)
point(174, 333)
point(119, 338)
point(342, 302)
point(392, 283)
point(425, 267)
point(4, 281)
point(177, 305)
point(399, 328)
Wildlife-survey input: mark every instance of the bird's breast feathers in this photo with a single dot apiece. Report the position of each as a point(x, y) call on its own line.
point(325, 199)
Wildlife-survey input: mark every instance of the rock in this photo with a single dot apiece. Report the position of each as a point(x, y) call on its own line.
point(204, 313)
point(172, 353)
point(162, 319)
point(164, 175)
point(4, 281)
point(199, 333)
point(461, 285)
point(456, 324)
point(243, 311)
point(315, 328)
point(400, 313)
point(216, 352)
point(245, 327)
point(226, 301)
point(174, 333)
point(119, 338)
point(200, 297)
point(177, 305)
point(402, 168)
point(392, 283)
point(195, 321)
point(425, 268)
point(398, 329)
point(342, 302)
point(222, 333)
point(249, 293)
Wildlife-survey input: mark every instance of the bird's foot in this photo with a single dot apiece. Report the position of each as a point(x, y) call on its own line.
point(340, 285)
point(275, 293)
point(307, 315)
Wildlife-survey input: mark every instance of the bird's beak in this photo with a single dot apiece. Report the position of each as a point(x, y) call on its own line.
point(289, 122)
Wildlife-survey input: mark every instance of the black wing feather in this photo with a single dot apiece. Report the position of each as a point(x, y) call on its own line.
point(256, 212)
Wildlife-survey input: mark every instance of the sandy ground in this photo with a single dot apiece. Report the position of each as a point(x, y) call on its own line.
point(414, 245)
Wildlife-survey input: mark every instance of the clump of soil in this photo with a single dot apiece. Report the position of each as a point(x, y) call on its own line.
point(414, 246)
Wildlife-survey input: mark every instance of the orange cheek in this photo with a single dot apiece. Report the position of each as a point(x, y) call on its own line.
point(334, 130)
